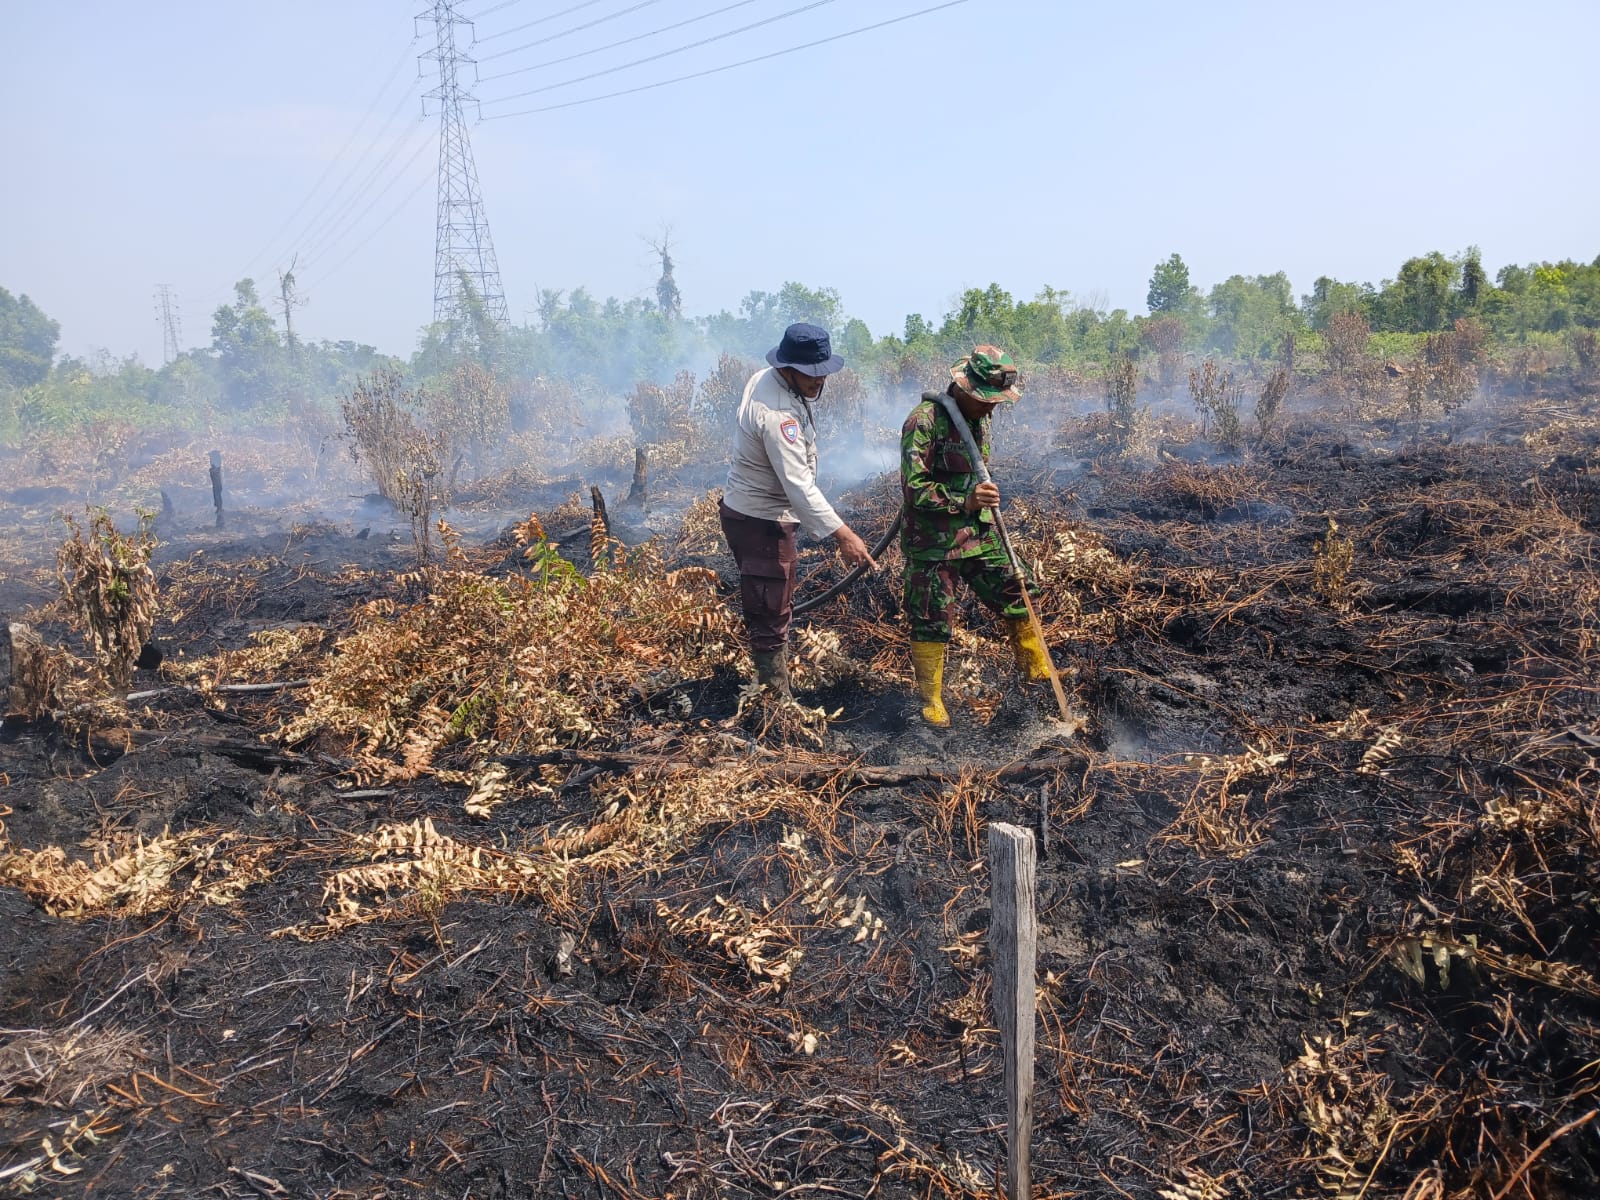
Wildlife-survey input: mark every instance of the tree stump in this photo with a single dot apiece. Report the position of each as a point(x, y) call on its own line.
point(25, 675)
point(638, 492)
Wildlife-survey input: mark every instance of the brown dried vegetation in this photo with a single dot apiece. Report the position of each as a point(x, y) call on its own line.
point(1122, 393)
point(1164, 336)
point(1269, 404)
point(109, 589)
point(1216, 403)
point(405, 460)
point(517, 665)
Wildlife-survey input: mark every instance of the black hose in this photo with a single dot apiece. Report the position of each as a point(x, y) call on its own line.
point(853, 574)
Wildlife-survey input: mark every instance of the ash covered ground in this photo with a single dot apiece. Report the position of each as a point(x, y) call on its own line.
point(1316, 897)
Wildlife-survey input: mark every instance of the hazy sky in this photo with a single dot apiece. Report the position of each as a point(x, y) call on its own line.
point(997, 140)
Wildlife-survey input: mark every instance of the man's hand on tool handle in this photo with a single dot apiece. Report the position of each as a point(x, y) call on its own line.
point(985, 495)
point(852, 549)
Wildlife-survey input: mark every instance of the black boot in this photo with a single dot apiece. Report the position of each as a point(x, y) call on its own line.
point(772, 670)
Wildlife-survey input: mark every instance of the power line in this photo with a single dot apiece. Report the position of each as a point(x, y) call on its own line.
point(316, 242)
point(540, 21)
point(493, 8)
point(320, 221)
point(328, 215)
point(921, 12)
point(332, 162)
point(639, 62)
point(333, 237)
point(568, 32)
point(638, 37)
point(323, 276)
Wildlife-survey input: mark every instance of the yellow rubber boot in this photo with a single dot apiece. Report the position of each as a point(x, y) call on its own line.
point(1032, 659)
point(927, 660)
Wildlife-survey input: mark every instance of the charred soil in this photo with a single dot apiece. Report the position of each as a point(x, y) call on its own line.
point(1316, 893)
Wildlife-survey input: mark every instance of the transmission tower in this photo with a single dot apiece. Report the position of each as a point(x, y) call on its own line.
point(167, 314)
point(463, 254)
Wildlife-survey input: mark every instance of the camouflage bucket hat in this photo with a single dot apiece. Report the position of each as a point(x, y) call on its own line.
point(989, 374)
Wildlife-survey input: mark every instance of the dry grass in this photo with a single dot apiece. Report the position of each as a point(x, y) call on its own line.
point(1220, 817)
point(1203, 489)
point(59, 1067)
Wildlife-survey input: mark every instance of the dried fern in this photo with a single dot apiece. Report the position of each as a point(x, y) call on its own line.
point(519, 664)
point(108, 586)
point(753, 941)
point(1333, 555)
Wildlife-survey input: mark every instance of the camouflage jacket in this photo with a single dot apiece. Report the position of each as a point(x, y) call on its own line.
point(936, 477)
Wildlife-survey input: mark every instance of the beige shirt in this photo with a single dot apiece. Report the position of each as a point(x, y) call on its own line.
point(772, 472)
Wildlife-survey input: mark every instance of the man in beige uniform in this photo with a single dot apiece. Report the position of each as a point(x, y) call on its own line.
point(772, 493)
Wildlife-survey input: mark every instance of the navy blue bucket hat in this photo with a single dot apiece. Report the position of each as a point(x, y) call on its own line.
point(807, 349)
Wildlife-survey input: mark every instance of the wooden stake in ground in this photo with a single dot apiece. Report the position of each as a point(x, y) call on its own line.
point(1013, 946)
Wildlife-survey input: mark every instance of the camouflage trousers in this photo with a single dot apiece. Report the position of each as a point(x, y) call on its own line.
point(929, 593)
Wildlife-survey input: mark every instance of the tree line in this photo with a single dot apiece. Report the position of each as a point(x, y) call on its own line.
point(255, 371)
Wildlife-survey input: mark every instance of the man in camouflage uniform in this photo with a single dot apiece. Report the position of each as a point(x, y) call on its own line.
point(949, 532)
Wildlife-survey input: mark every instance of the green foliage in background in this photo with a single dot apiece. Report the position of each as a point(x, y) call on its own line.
point(1431, 292)
point(577, 356)
point(27, 341)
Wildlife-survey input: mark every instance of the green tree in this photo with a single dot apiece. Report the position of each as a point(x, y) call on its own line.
point(1586, 293)
point(854, 341)
point(1042, 327)
point(1418, 299)
point(249, 354)
point(1330, 298)
point(482, 334)
point(1252, 314)
point(668, 298)
point(1544, 298)
point(27, 341)
point(917, 329)
point(1170, 290)
point(1474, 284)
point(1506, 306)
point(763, 316)
point(1114, 334)
point(80, 391)
point(981, 315)
point(1549, 297)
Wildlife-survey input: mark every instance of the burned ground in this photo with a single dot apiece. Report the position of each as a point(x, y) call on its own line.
point(1316, 901)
